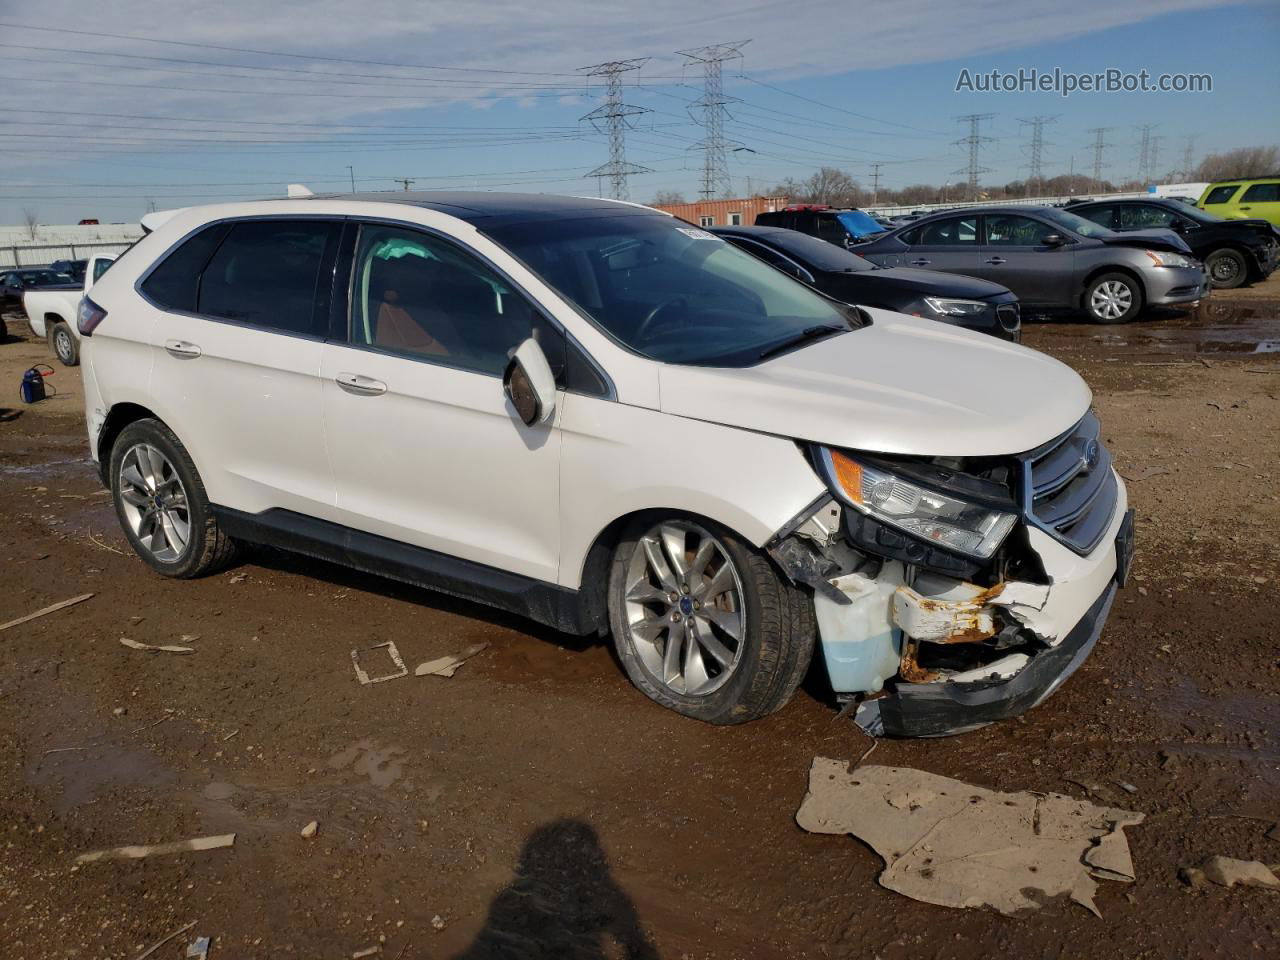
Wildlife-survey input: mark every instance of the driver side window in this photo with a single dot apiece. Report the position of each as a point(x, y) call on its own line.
point(420, 296)
point(1141, 215)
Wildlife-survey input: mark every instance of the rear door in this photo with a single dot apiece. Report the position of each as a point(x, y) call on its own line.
point(237, 345)
point(949, 244)
point(1261, 200)
point(1015, 255)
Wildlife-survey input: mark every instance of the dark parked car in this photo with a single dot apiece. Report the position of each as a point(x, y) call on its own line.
point(1234, 251)
point(72, 268)
point(841, 227)
point(963, 301)
point(1051, 259)
point(13, 282)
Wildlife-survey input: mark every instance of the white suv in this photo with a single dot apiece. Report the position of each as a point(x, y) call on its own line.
point(610, 421)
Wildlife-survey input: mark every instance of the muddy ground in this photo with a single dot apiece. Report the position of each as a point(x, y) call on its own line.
point(536, 803)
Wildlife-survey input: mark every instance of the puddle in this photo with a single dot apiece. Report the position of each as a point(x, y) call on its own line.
point(382, 765)
point(1211, 328)
point(83, 774)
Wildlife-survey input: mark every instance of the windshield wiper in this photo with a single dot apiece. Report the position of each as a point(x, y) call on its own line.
point(807, 335)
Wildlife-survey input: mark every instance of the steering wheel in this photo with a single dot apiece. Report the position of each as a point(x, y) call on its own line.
point(654, 316)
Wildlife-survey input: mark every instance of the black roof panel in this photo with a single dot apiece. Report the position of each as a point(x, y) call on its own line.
point(501, 208)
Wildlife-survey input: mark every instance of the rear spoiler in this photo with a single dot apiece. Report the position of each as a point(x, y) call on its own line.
point(158, 218)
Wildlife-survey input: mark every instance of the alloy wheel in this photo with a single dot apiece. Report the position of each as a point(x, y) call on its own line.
point(684, 608)
point(1111, 300)
point(154, 502)
point(62, 345)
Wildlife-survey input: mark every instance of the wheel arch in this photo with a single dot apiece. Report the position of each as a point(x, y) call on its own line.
point(1096, 272)
point(118, 417)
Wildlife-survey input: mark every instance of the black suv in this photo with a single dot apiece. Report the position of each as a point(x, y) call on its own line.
point(1234, 251)
point(844, 228)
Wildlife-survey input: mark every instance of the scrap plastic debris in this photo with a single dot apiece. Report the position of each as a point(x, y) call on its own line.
point(154, 648)
point(448, 666)
point(52, 608)
point(400, 671)
point(947, 842)
point(198, 949)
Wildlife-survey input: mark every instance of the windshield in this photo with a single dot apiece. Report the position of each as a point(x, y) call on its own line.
point(1077, 224)
point(858, 223)
point(816, 253)
point(670, 291)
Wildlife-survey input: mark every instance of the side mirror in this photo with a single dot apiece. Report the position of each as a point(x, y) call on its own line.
point(1054, 240)
point(530, 385)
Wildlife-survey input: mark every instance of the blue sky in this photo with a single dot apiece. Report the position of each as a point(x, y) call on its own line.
point(455, 94)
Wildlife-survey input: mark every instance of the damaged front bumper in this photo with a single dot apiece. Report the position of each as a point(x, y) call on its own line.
point(925, 654)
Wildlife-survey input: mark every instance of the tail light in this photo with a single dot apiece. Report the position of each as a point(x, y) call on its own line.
point(88, 316)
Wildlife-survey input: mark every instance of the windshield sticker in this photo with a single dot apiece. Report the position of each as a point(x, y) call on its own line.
point(697, 234)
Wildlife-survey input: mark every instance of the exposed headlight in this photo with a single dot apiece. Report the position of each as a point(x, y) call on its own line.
point(1163, 259)
point(955, 308)
point(936, 517)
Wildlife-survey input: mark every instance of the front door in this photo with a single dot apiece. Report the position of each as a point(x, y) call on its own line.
point(425, 447)
point(1014, 254)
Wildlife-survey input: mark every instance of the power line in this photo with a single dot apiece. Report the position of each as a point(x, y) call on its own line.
point(714, 146)
point(973, 142)
point(615, 115)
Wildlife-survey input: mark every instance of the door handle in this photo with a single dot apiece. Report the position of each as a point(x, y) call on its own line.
point(182, 349)
point(920, 262)
point(360, 385)
point(996, 261)
point(1246, 208)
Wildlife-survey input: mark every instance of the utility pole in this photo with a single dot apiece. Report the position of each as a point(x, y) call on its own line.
point(714, 146)
point(875, 182)
point(613, 117)
point(406, 182)
point(1099, 144)
point(352, 170)
point(973, 142)
point(1035, 168)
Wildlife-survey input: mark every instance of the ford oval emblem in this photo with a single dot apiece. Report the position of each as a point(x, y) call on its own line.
point(1090, 455)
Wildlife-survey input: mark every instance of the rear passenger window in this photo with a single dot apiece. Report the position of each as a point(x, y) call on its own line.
point(267, 273)
point(172, 285)
point(945, 233)
point(1262, 193)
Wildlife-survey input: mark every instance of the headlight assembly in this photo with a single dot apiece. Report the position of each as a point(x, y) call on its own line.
point(928, 514)
point(955, 308)
point(1162, 259)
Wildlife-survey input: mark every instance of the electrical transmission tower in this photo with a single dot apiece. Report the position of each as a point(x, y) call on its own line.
point(714, 146)
point(1147, 152)
point(974, 142)
point(1035, 151)
point(1153, 159)
point(875, 182)
point(1188, 156)
point(1099, 144)
point(614, 117)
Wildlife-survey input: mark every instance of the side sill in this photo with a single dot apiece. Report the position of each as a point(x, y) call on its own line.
point(546, 603)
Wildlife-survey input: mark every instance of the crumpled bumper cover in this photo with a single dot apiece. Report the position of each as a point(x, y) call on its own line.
point(942, 709)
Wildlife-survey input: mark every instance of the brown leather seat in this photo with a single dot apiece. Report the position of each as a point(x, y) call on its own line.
point(404, 314)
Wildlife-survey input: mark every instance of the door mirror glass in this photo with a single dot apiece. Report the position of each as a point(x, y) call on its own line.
point(530, 384)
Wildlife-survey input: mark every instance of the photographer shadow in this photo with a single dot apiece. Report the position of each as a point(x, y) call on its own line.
point(563, 903)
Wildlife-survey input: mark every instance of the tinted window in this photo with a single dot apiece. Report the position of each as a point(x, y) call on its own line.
point(1004, 230)
point(100, 267)
point(172, 285)
point(772, 257)
point(421, 296)
point(1145, 216)
point(831, 229)
point(1221, 194)
point(1262, 193)
point(1103, 216)
point(669, 291)
point(955, 230)
point(266, 273)
point(818, 253)
point(1080, 225)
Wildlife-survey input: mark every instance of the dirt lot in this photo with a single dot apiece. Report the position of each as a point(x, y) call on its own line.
point(536, 805)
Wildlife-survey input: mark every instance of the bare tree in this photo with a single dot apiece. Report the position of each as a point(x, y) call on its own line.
point(32, 222)
point(668, 197)
point(1245, 162)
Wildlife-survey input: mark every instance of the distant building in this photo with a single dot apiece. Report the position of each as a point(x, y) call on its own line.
point(723, 213)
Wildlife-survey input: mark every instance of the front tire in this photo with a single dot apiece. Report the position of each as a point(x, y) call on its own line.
point(64, 344)
point(704, 624)
point(1113, 298)
point(1227, 269)
point(161, 503)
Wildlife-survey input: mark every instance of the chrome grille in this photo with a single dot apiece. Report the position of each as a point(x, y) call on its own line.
point(1069, 488)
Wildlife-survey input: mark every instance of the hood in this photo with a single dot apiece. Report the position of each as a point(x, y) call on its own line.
point(901, 385)
point(1157, 239)
point(925, 283)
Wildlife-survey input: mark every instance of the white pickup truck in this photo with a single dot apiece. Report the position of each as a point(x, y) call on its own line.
point(51, 311)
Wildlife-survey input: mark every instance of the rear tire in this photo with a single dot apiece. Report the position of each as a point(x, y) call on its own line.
point(1113, 298)
point(743, 634)
point(1227, 269)
point(161, 503)
point(63, 343)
